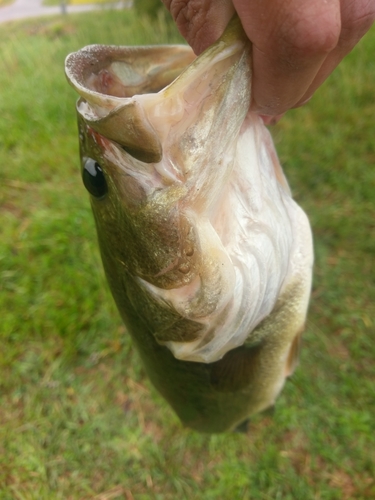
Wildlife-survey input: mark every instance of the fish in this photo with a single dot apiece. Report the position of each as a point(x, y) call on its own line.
point(208, 257)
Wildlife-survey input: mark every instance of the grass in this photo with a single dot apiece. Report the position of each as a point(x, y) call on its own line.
point(78, 418)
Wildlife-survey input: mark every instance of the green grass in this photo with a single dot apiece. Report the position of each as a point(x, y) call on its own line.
point(78, 418)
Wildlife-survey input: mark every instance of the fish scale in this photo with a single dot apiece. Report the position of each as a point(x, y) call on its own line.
point(208, 257)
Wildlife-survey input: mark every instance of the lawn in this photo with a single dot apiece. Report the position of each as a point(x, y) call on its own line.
point(78, 418)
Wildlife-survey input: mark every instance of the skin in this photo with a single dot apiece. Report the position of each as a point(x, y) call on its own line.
point(296, 43)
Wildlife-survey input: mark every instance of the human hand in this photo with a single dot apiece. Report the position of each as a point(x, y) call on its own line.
point(296, 43)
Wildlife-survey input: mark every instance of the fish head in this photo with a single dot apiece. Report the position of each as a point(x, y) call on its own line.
point(145, 117)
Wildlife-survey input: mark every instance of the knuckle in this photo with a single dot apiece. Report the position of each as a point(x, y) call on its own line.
point(189, 16)
point(312, 32)
point(183, 12)
point(200, 22)
point(179, 10)
point(357, 19)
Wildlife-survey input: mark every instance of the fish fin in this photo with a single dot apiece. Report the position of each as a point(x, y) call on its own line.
point(243, 427)
point(236, 369)
point(293, 356)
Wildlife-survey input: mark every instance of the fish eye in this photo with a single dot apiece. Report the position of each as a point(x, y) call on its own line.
point(93, 178)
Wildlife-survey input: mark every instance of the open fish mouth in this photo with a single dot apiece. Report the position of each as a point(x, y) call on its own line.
point(208, 257)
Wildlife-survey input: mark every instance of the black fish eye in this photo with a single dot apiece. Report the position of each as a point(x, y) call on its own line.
point(93, 178)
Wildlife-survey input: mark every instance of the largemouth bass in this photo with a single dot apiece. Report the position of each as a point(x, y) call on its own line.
point(208, 257)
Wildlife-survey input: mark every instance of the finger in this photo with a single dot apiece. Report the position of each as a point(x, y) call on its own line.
point(356, 18)
point(200, 22)
point(291, 39)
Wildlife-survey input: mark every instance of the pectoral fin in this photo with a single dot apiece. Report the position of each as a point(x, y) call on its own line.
point(293, 356)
